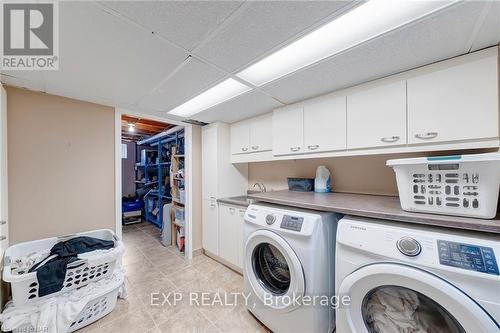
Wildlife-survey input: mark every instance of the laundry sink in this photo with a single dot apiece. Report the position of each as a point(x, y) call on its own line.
point(241, 200)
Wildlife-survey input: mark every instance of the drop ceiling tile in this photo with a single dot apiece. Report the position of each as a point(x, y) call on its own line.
point(244, 106)
point(489, 32)
point(193, 78)
point(185, 23)
point(438, 37)
point(262, 26)
point(108, 59)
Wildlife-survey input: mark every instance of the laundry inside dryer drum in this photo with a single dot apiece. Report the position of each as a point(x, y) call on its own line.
point(271, 268)
point(399, 309)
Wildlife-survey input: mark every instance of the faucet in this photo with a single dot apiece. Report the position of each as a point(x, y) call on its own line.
point(261, 186)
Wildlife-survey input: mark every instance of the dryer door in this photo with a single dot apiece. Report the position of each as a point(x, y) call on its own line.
point(389, 297)
point(273, 270)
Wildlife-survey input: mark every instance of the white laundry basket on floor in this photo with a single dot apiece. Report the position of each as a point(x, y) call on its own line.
point(66, 312)
point(463, 185)
point(78, 274)
point(98, 307)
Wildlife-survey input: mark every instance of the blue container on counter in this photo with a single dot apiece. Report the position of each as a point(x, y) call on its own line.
point(301, 184)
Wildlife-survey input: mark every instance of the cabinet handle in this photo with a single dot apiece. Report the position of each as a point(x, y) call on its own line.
point(212, 205)
point(390, 139)
point(3, 222)
point(3, 238)
point(294, 148)
point(244, 148)
point(313, 147)
point(426, 136)
point(231, 210)
point(255, 147)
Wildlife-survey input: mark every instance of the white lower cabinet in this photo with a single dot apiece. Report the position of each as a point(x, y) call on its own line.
point(239, 236)
point(231, 234)
point(211, 226)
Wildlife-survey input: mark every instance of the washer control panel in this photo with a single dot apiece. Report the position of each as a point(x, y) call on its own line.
point(467, 256)
point(292, 222)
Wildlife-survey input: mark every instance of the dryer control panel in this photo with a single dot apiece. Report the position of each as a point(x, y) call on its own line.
point(292, 222)
point(467, 256)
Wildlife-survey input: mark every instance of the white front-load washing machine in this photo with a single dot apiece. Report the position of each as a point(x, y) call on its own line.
point(288, 265)
point(402, 277)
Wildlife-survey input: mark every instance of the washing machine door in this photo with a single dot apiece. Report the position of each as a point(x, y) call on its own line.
point(389, 297)
point(273, 270)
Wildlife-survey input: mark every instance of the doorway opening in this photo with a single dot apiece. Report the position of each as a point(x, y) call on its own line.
point(153, 195)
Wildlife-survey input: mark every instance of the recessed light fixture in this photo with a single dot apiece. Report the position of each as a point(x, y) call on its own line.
point(359, 25)
point(131, 127)
point(222, 92)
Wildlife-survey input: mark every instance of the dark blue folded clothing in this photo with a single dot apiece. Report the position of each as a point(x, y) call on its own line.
point(75, 246)
point(52, 273)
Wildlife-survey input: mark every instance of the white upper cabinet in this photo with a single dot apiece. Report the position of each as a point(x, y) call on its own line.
point(252, 135)
point(261, 138)
point(240, 137)
point(288, 130)
point(325, 124)
point(376, 116)
point(455, 100)
point(448, 105)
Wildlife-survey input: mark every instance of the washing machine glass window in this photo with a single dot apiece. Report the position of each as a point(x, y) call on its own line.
point(400, 309)
point(393, 294)
point(271, 268)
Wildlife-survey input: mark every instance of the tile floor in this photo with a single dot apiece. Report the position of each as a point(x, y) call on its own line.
point(152, 268)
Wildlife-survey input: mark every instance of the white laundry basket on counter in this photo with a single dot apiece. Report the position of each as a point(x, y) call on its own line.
point(78, 274)
point(463, 185)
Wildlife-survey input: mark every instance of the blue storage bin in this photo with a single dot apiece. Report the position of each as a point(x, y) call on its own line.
point(130, 206)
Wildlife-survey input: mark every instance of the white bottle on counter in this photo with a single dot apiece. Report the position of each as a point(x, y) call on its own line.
point(322, 182)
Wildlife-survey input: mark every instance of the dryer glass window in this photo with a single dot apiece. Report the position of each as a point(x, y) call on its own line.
point(271, 268)
point(399, 309)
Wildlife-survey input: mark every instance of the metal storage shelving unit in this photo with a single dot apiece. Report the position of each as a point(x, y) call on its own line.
point(157, 173)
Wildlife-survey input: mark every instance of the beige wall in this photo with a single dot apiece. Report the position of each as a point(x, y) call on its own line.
point(60, 164)
point(197, 191)
point(358, 174)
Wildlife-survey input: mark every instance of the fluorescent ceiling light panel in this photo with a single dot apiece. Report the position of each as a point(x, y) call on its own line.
point(222, 92)
point(363, 23)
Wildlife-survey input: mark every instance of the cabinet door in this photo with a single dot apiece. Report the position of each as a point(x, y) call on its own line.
point(209, 161)
point(325, 124)
point(240, 137)
point(455, 103)
point(240, 221)
point(210, 223)
point(376, 117)
point(227, 237)
point(288, 130)
point(261, 130)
